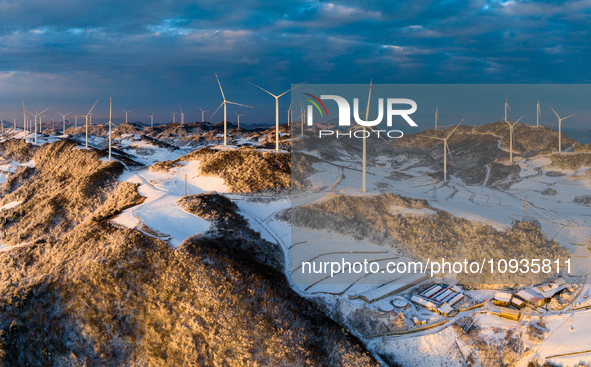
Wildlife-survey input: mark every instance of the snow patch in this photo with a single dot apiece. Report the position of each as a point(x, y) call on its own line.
point(10, 205)
point(395, 210)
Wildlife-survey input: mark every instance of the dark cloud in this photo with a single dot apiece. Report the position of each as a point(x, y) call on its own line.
point(159, 54)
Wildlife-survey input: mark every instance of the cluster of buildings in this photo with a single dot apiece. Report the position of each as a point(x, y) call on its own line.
point(440, 298)
point(443, 299)
point(534, 297)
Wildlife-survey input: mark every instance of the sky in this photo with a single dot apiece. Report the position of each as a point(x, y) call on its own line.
point(155, 55)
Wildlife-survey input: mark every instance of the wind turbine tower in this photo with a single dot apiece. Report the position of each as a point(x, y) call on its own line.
point(152, 119)
point(24, 121)
point(86, 124)
point(560, 129)
point(182, 116)
point(538, 114)
point(364, 164)
point(303, 115)
point(14, 122)
point(276, 111)
point(436, 116)
point(110, 123)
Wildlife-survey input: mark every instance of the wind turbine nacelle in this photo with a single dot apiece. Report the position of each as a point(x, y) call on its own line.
point(345, 111)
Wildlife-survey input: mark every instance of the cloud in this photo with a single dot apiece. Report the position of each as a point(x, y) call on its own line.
point(159, 52)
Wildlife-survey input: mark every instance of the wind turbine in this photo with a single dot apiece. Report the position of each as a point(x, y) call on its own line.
point(303, 116)
point(38, 115)
point(173, 116)
point(276, 111)
point(238, 116)
point(63, 121)
point(506, 106)
point(110, 123)
point(560, 129)
point(182, 116)
point(14, 122)
point(364, 164)
point(436, 116)
point(126, 112)
point(289, 114)
point(538, 114)
point(446, 150)
point(152, 119)
point(511, 126)
point(24, 121)
point(224, 103)
point(86, 124)
point(203, 114)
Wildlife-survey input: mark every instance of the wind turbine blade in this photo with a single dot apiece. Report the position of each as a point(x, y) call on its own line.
point(216, 110)
point(455, 128)
point(92, 107)
point(508, 107)
point(265, 90)
point(518, 120)
point(290, 90)
point(568, 116)
point(223, 96)
point(238, 104)
point(432, 137)
point(45, 110)
point(450, 157)
point(555, 112)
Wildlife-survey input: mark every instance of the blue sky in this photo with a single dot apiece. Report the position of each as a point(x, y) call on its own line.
point(157, 55)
